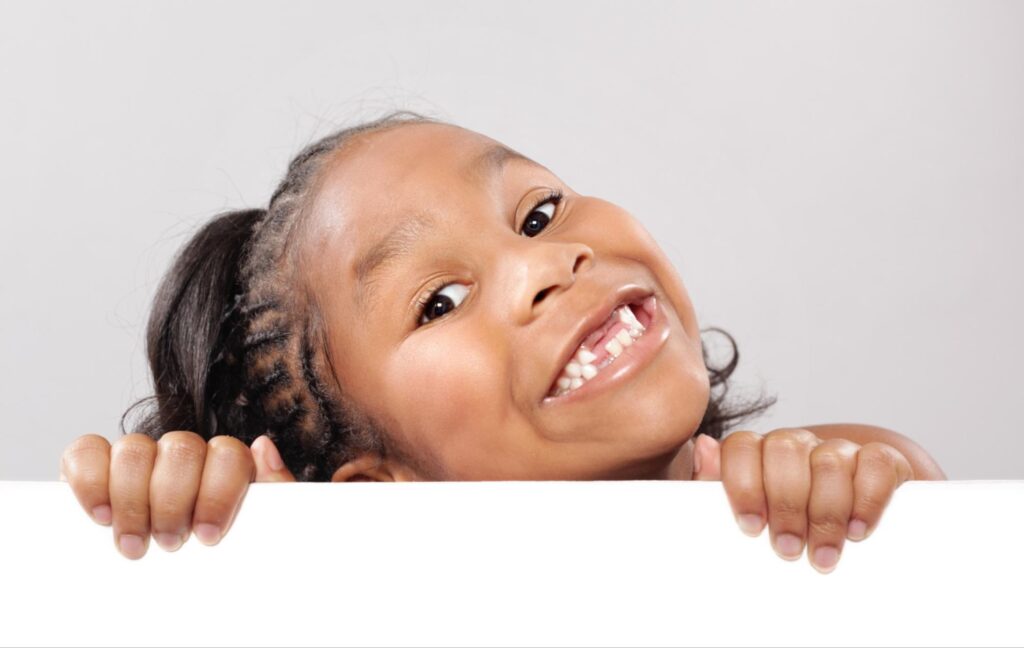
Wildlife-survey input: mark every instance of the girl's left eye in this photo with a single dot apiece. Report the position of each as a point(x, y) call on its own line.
point(437, 303)
point(541, 214)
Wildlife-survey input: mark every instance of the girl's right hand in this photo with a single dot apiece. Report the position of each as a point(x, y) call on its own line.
point(167, 488)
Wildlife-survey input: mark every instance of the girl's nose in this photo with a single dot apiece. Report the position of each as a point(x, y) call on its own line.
point(545, 270)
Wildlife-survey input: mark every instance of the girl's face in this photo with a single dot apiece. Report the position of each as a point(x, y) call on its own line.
point(511, 280)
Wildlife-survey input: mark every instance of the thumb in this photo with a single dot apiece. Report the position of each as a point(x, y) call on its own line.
point(707, 459)
point(269, 465)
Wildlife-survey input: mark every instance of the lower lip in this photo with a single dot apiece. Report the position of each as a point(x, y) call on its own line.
point(633, 359)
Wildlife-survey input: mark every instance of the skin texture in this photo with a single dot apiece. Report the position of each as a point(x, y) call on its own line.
point(463, 393)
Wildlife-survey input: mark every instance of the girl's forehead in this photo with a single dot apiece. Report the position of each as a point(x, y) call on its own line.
point(400, 158)
point(381, 184)
point(379, 178)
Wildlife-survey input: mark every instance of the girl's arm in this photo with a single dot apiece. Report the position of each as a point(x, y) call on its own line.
point(925, 468)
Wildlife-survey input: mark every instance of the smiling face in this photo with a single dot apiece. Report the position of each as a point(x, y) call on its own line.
point(452, 332)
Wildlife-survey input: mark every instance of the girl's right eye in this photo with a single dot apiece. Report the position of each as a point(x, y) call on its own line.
point(438, 304)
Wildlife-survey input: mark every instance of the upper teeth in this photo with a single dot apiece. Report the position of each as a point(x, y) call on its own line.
point(581, 367)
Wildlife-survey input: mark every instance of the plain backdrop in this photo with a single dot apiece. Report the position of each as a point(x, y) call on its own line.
point(840, 185)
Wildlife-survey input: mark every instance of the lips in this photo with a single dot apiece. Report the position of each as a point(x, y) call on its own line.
point(594, 321)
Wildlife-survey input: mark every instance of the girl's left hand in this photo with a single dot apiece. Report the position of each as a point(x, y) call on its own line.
point(809, 490)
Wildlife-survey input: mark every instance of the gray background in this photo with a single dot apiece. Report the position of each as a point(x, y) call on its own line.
point(840, 185)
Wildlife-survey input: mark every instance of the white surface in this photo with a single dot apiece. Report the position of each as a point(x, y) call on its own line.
point(507, 563)
point(840, 184)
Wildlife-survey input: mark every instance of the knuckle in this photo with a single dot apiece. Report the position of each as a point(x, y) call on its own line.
point(792, 437)
point(794, 434)
point(743, 485)
point(215, 506)
point(132, 510)
point(135, 447)
point(231, 450)
point(165, 510)
point(84, 447)
point(829, 459)
point(782, 445)
point(182, 447)
point(870, 501)
point(786, 507)
point(828, 524)
point(183, 434)
point(877, 456)
point(90, 483)
point(228, 445)
point(742, 438)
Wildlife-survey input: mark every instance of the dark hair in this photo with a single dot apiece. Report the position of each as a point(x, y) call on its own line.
point(724, 412)
point(235, 349)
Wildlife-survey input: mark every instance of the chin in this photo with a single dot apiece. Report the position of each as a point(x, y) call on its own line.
point(663, 412)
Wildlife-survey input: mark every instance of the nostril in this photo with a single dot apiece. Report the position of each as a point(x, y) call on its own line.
point(588, 255)
point(541, 295)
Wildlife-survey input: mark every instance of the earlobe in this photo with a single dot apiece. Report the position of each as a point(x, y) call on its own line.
point(366, 467)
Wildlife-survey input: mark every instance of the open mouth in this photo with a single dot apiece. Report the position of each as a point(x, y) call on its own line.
point(603, 345)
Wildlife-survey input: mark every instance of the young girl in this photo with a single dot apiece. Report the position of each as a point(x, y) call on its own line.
point(420, 302)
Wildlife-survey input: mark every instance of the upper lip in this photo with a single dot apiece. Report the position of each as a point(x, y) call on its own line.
point(596, 317)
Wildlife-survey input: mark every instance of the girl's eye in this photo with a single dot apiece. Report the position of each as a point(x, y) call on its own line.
point(437, 303)
point(541, 214)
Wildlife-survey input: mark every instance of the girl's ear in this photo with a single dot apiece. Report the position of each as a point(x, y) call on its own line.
point(366, 467)
point(707, 459)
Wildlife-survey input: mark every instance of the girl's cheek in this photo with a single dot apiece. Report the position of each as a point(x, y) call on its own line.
point(633, 241)
point(443, 399)
point(666, 274)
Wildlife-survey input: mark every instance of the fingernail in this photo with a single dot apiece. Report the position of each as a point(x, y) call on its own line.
point(131, 546)
point(696, 460)
point(272, 456)
point(208, 534)
point(788, 546)
point(857, 530)
point(825, 559)
point(102, 514)
point(750, 524)
point(169, 541)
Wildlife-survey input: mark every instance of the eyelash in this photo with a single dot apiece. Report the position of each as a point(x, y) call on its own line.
point(553, 196)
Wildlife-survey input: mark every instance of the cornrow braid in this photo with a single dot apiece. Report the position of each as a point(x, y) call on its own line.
point(259, 366)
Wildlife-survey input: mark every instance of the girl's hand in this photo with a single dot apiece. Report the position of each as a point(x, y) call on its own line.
point(808, 489)
point(166, 488)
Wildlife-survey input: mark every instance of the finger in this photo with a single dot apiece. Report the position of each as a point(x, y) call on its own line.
point(131, 465)
point(743, 480)
point(707, 459)
point(787, 485)
point(227, 472)
point(833, 464)
point(85, 465)
point(881, 468)
point(173, 488)
point(269, 465)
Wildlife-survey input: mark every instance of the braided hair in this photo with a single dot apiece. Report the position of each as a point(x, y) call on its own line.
point(236, 349)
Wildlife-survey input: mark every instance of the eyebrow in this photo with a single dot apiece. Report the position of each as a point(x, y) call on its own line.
point(401, 240)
